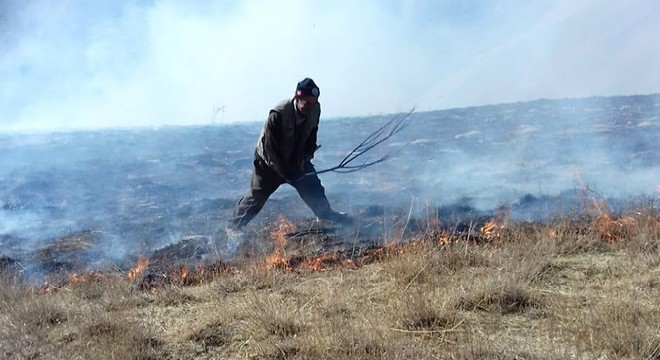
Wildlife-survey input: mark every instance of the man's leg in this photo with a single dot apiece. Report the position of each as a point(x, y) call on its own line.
point(313, 194)
point(263, 183)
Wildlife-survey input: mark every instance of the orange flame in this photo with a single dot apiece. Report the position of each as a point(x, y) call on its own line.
point(442, 238)
point(76, 279)
point(489, 229)
point(612, 230)
point(317, 263)
point(434, 226)
point(184, 273)
point(494, 226)
point(138, 269)
point(607, 227)
point(53, 285)
point(278, 258)
point(604, 226)
point(326, 261)
point(603, 223)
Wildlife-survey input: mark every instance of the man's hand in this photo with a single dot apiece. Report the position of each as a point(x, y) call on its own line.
point(308, 158)
point(295, 178)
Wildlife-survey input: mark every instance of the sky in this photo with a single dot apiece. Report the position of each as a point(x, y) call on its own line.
point(69, 64)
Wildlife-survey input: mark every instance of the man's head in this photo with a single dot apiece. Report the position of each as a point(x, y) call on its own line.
point(307, 95)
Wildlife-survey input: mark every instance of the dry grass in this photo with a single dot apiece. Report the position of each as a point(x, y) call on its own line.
point(563, 291)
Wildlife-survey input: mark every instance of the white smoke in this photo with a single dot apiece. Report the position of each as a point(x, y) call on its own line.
point(91, 64)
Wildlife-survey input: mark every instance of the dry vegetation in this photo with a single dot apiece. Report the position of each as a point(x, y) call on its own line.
point(584, 289)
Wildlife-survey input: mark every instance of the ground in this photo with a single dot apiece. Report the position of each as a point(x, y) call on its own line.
point(528, 291)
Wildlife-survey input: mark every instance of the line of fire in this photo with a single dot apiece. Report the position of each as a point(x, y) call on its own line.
point(313, 246)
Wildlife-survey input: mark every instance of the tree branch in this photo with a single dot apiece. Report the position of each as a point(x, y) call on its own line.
point(382, 134)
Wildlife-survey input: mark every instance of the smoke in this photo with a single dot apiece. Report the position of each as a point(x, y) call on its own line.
point(91, 64)
point(97, 197)
point(545, 151)
point(95, 64)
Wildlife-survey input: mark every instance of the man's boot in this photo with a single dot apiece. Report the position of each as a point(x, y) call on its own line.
point(339, 218)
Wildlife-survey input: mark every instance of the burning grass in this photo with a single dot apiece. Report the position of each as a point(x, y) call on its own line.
point(575, 288)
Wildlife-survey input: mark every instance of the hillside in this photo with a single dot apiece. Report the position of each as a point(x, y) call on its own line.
point(130, 192)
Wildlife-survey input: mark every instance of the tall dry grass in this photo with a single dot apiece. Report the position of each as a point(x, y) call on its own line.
point(563, 290)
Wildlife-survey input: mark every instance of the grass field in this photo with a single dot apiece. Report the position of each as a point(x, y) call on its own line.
point(571, 289)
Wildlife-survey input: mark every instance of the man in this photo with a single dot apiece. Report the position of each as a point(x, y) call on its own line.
point(284, 152)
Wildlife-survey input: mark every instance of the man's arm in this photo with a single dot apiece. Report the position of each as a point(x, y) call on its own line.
point(310, 146)
point(272, 144)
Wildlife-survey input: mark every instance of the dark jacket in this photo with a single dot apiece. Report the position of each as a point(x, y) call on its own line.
point(288, 138)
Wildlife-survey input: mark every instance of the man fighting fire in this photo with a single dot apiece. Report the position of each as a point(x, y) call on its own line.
point(283, 154)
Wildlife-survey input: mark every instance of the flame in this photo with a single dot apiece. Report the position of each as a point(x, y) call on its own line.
point(612, 230)
point(603, 223)
point(434, 228)
point(138, 269)
point(76, 279)
point(494, 226)
point(442, 238)
point(278, 258)
point(317, 263)
point(593, 205)
point(489, 229)
point(184, 273)
point(327, 261)
point(604, 226)
point(492, 229)
point(52, 285)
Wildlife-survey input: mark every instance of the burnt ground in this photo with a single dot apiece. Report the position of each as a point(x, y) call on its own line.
point(102, 199)
point(300, 242)
point(376, 225)
point(329, 243)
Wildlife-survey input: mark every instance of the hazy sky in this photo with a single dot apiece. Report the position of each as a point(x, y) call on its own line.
point(98, 63)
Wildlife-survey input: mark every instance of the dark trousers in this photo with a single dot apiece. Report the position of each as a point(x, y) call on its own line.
point(265, 181)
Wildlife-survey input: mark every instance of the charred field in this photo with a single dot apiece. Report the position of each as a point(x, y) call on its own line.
point(514, 231)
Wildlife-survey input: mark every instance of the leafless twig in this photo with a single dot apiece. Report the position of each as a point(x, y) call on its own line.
point(389, 129)
point(218, 109)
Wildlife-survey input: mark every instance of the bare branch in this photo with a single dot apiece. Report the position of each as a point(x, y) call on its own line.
point(382, 134)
